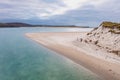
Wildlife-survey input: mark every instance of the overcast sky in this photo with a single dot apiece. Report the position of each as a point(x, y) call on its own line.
point(61, 12)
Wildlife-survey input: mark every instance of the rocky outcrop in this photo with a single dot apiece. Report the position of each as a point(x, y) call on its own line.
point(106, 36)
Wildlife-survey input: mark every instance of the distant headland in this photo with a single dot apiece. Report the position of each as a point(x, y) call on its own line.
point(19, 24)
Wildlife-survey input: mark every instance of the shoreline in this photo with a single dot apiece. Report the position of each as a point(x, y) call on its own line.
point(61, 42)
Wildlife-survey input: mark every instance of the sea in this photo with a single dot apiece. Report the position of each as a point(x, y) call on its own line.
point(23, 59)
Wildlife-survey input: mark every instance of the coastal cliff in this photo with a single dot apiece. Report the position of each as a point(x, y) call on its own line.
point(106, 36)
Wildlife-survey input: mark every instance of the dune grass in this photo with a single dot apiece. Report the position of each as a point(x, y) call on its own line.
point(111, 25)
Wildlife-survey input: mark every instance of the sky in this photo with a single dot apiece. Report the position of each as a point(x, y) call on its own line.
point(60, 12)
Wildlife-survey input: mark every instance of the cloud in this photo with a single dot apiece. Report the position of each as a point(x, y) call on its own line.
point(69, 5)
point(60, 11)
point(44, 8)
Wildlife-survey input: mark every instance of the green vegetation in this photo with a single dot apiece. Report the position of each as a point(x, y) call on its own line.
point(115, 52)
point(113, 31)
point(95, 28)
point(111, 25)
point(96, 42)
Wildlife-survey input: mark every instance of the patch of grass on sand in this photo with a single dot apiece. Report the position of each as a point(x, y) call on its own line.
point(111, 25)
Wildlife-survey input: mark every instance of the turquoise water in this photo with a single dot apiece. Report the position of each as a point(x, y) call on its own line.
point(24, 59)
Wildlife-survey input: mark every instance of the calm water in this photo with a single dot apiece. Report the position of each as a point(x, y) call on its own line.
point(23, 59)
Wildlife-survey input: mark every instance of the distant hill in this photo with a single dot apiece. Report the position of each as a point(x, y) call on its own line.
point(14, 25)
point(17, 24)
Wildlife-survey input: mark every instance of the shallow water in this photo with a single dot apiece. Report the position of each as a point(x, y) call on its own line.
point(24, 59)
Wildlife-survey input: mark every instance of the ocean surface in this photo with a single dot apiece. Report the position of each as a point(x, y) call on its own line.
point(24, 59)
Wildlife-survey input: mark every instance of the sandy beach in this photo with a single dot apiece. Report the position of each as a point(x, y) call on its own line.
point(64, 43)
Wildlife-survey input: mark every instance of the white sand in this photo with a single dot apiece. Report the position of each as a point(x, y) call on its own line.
point(81, 53)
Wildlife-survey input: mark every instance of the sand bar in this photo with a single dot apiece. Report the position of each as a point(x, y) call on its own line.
point(62, 43)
